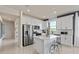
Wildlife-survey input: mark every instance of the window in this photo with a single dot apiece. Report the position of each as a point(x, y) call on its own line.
point(52, 26)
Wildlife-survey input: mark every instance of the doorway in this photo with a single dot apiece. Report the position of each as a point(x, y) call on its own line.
point(8, 31)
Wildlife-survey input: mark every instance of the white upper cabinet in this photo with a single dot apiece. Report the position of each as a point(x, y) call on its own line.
point(44, 25)
point(58, 23)
point(69, 22)
point(65, 22)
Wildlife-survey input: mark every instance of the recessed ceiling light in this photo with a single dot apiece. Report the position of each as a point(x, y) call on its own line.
point(54, 12)
point(44, 16)
point(28, 10)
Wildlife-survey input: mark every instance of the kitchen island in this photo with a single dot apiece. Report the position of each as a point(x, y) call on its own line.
point(43, 43)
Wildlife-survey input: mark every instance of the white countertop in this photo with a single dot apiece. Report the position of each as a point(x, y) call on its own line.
point(43, 37)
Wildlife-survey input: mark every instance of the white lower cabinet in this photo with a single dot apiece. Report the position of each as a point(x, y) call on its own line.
point(69, 39)
point(66, 40)
point(63, 41)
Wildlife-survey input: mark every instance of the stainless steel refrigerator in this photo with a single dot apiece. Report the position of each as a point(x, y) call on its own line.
point(27, 34)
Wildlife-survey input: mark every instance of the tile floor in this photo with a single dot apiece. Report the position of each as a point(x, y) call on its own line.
point(69, 50)
point(10, 47)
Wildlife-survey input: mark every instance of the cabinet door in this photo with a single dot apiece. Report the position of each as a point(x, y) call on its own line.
point(58, 23)
point(63, 41)
point(69, 40)
point(66, 40)
point(69, 22)
point(65, 22)
point(63, 25)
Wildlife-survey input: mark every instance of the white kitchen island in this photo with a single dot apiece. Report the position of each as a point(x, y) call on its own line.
point(43, 43)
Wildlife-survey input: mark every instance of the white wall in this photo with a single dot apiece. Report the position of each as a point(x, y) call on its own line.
point(9, 29)
point(77, 30)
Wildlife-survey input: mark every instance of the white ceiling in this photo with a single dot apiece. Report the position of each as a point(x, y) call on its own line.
point(40, 11)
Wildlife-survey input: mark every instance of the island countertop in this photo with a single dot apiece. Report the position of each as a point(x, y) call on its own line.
point(43, 43)
point(43, 37)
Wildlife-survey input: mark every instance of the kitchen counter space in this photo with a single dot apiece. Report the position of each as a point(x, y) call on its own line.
point(42, 43)
point(43, 37)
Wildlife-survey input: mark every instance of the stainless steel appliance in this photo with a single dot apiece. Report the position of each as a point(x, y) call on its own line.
point(27, 31)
